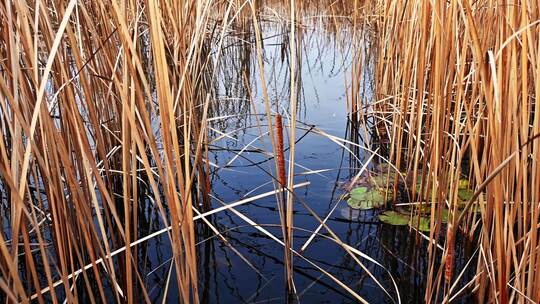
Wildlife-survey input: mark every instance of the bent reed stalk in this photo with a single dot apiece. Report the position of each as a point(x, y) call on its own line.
point(104, 105)
point(98, 99)
point(460, 81)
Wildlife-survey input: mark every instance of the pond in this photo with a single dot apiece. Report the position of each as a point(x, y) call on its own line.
point(330, 150)
point(240, 256)
point(139, 162)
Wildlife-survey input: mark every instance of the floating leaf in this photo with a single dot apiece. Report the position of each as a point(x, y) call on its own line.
point(445, 215)
point(394, 218)
point(465, 194)
point(362, 205)
point(381, 181)
point(424, 223)
point(463, 184)
point(426, 211)
point(366, 198)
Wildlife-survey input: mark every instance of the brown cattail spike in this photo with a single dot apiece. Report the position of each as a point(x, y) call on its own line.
point(449, 265)
point(282, 178)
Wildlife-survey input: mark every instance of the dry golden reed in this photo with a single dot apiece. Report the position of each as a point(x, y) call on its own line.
point(97, 97)
point(458, 83)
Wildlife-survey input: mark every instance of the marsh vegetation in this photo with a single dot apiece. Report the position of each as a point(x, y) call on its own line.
point(259, 151)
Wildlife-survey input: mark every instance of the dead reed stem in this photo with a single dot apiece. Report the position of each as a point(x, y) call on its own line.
point(80, 82)
point(461, 80)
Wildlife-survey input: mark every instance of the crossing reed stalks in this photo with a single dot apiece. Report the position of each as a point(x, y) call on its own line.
point(458, 83)
point(96, 99)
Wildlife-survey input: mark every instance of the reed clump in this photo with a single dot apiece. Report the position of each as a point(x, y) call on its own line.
point(104, 108)
point(99, 100)
point(456, 85)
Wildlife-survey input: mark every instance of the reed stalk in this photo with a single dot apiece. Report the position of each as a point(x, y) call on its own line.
point(95, 99)
point(462, 79)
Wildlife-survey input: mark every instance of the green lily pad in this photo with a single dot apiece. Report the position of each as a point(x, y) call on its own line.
point(381, 181)
point(425, 210)
point(394, 218)
point(445, 216)
point(418, 183)
point(366, 198)
point(465, 194)
point(424, 223)
point(463, 184)
point(362, 205)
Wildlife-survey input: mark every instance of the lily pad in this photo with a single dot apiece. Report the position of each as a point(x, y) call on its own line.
point(394, 218)
point(424, 223)
point(382, 180)
point(465, 194)
point(425, 210)
point(366, 198)
point(445, 215)
point(463, 184)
